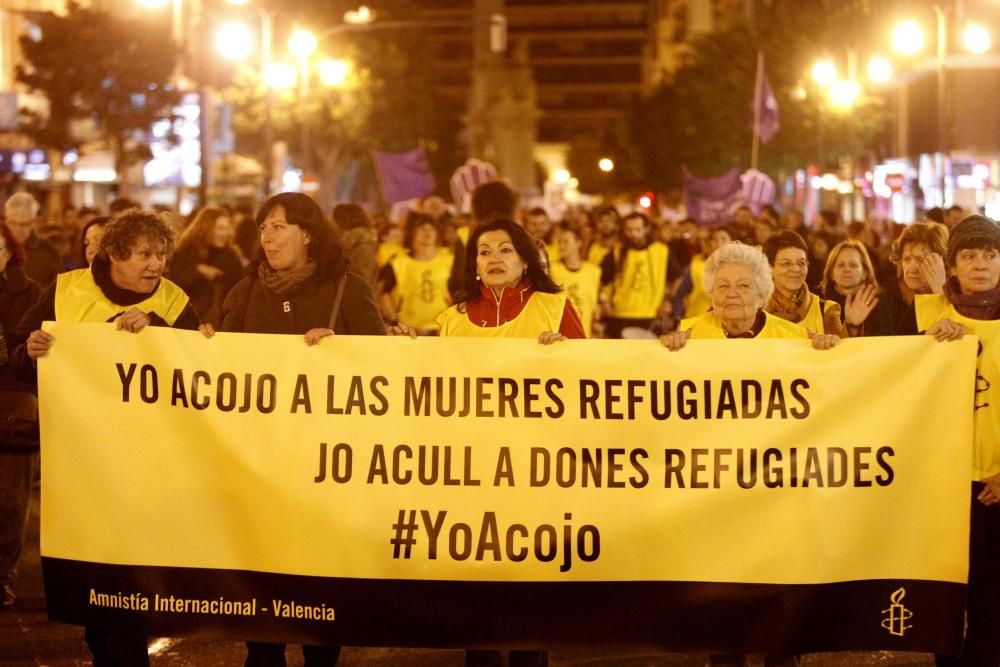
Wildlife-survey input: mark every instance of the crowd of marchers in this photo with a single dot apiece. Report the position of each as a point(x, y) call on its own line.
point(497, 270)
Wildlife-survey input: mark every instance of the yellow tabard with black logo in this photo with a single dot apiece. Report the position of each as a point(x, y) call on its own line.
point(814, 316)
point(542, 313)
point(582, 288)
point(597, 253)
point(709, 326)
point(386, 251)
point(639, 287)
point(698, 300)
point(422, 288)
point(79, 299)
point(932, 308)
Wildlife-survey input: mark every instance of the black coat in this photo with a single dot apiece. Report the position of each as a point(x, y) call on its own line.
point(252, 308)
point(18, 293)
point(206, 295)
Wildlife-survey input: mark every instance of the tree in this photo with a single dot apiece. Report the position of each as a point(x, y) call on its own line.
point(95, 68)
point(385, 103)
point(702, 118)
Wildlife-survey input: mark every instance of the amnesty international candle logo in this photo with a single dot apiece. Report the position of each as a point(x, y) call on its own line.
point(897, 615)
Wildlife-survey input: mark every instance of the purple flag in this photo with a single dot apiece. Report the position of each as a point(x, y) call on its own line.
point(404, 175)
point(712, 201)
point(765, 120)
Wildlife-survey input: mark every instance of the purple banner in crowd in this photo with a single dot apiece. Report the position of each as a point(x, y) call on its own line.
point(404, 175)
point(712, 201)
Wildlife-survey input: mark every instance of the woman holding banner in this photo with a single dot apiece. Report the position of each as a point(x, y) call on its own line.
point(739, 283)
point(971, 304)
point(506, 293)
point(124, 284)
point(299, 284)
point(738, 280)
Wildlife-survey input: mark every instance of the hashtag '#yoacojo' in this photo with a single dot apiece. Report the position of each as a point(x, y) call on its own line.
point(404, 533)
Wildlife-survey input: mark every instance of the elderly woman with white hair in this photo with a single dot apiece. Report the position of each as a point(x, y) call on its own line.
point(738, 280)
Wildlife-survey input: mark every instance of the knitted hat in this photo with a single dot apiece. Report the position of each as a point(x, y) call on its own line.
point(972, 231)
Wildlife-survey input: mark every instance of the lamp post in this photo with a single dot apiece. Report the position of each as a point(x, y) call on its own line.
point(908, 39)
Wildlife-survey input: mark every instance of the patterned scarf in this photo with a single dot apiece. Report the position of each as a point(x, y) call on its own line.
point(794, 309)
point(978, 306)
point(284, 283)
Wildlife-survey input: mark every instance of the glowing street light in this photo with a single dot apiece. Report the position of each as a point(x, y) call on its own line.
point(879, 69)
point(280, 76)
point(234, 41)
point(843, 94)
point(824, 73)
point(302, 43)
point(976, 38)
point(359, 16)
point(908, 38)
point(561, 176)
point(334, 72)
point(606, 164)
point(152, 4)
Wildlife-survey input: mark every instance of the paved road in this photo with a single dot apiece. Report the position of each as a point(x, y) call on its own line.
point(28, 638)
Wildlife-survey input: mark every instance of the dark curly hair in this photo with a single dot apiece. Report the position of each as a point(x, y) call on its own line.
point(124, 230)
point(324, 246)
point(526, 250)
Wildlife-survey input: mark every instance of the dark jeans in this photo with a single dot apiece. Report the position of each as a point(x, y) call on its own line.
point(260, 654)
point(17, 473)
point(982, 633)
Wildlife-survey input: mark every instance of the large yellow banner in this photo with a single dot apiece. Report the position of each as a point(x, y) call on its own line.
point(713, 476)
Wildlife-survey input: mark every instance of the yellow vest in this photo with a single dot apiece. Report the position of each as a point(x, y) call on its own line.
point(582, 288)
point(932, 308)
point(814, 316)
point(422, 289)
point(552, 250)
point(79, 299)
point(639, 287)
point(597, 253)
point(542, 313)
point(386, 251)
point(709, 326)
point(463, 234)
point(698, 300)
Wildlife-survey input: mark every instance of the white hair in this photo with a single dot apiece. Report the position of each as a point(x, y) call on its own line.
point(749, 256)
point(22, 206)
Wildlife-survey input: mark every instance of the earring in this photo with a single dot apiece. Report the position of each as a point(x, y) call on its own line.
point(478, 278)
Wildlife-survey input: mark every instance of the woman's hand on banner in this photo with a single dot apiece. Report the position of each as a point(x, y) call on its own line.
point(314, 336)
point(822, 341)
point(207, 330)
point(549, 337)
point(132, 320)
point(38, 344)
point(675, 340)
point(400, 329)
point(946, 330)
point(991, 494)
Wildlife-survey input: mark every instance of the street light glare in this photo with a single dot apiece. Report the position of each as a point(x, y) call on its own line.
point(879, 69)
point(302, 43)
point(824, 72)
point(334, 72)
point(606, 164)
point(561, 176)
point(280, 76)
point(234, 41)
point(152, 4)
point(359, 16)
point(976, 38)
point(843, 94)
point(908, 38)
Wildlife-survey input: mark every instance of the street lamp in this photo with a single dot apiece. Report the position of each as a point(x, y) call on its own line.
point(334, 72)
point(907, 38)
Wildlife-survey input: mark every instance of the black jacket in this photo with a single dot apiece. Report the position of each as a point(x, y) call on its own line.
point(252, 308)
point(18, 294)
